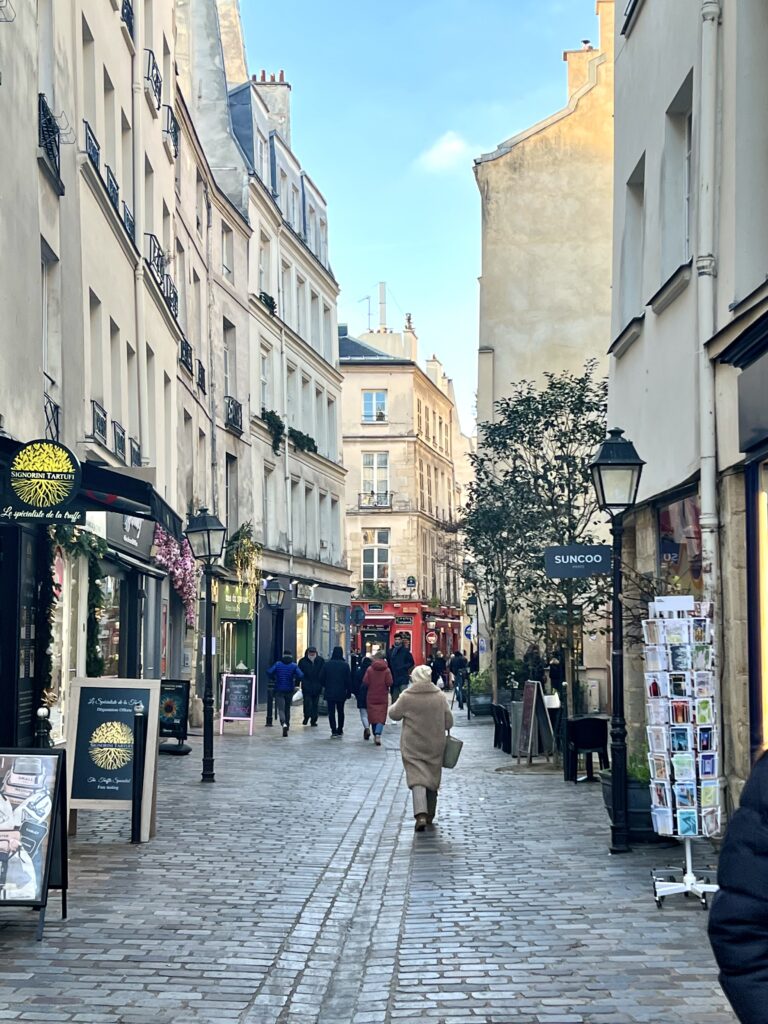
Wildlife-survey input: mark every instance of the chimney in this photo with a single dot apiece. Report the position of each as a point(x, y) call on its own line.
point(276, 95)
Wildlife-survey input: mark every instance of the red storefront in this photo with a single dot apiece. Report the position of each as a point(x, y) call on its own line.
point(424, 627)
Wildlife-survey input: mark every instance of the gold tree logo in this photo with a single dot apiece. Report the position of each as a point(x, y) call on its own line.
point(43, 474)
point(111, 746)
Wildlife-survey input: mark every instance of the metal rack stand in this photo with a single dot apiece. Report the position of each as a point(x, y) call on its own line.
point(673, 881)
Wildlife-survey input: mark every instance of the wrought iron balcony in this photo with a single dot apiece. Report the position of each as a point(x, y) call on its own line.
point(129, 223)
point(52, 416)
point(113, 189)
point(171, 295)
point(171, 129)
point(185, 355)
point(201, 376)
point(126, 13)
point(156, 258)
point(92, 148)
point(233, 414)
point(135, 451)
point(118, 433)
point(374, 499)
point(153, 78)
point(49, 133)
point(98, 422)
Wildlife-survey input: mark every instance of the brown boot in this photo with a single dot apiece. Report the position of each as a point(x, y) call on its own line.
point(421, 823)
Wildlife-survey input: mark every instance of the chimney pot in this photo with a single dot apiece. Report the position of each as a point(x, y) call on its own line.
point(282, 76)
point(271, 78)
point(263, 75)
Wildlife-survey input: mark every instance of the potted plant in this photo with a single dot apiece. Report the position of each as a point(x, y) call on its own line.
point(638, 798)
point(481, 690)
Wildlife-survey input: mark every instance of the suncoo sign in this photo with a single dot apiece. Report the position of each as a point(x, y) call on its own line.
point(577, 561)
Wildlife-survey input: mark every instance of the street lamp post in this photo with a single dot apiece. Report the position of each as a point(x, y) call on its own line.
point(472, 616)
point(205, 533)
point(616, 471)
point(274, 595)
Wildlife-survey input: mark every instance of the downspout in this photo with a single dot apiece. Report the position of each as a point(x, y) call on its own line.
point(706, 268)
point(284, 374)
point(139, 221)
point(211, 359)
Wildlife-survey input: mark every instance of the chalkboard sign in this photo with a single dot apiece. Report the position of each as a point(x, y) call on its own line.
point(174, 708)
point(238, 695)
point(534, 720)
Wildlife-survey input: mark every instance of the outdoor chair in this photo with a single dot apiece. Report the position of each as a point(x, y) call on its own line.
point(506, 729)
point(587, 736)
point(497, 726)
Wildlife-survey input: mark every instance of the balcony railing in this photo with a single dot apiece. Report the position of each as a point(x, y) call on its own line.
point(153, 78)
point(269, 302)
point(374, 499)
point(113, 189)
point(171, 295)
point(92, 148)
point(52, 416)
point(233, 414)
point(171, 129)
point(201, 376)
point(135, 451)
point(156, 257)
point(126, 13)
point(185, 355)
point(98, 422)
point(49, 134)
point(128, 221)
point(118, 433)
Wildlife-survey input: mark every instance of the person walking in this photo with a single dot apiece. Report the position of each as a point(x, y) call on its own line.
point(360, 692)
point(377, 682)
point(336, 679)
point(311, 666)
point(438, 667)
point(738, 919)
point(286, 674)
point(400, 664)
point(459, 666)
point(426, 717)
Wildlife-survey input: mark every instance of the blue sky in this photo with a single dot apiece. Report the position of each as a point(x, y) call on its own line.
point(390, 103)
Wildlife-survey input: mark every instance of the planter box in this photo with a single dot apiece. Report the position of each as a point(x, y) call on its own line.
point(639, 807)
point(480, 703)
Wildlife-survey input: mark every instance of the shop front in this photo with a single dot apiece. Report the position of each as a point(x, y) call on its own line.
point(422, 628)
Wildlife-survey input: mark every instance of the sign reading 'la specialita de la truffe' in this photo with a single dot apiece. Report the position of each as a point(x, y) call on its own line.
point(577, 561)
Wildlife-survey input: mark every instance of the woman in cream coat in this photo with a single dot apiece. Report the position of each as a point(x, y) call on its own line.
point(425, 715)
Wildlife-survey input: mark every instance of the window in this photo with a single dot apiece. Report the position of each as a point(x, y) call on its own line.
point(202, 469)
point(199, 202)
point(314, 320)
point(227, 252)
point(110, 121)
point(323, 249)
point(335, 531)
point(319, 433)
point(311, 228)
point(96, 349)
point(374, 407)
point(440, 433)
point(676, 182)
point(284, 193)
point(325, 527)
point(429, 489)
point(680, 545)
point(375, 556)
point(189, 466)
point(228, 354)
point(424, 563)
point(331, 428)
point(306, 405)
point(292, 396)
point(261, 158)
point(267, 503)
point(375, 479)
point(310, 520)
point(294, 208)
point(301, 306)
point(434, 426)
point(421, 485)
point(264, 360)
point(126, 159)
point(327, 334)
point(426, 421)
point(298, 529)
point(285, 290)
point(230, 483)
point(418, 416)
point(632, 245)
point(688, 187)
point(264, 247)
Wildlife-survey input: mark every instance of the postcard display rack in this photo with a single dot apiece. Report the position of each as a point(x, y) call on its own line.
point(682, 711)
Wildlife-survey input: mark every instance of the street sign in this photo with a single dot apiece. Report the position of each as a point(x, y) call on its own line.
point(431, 637)
point(577, 561)
point(468, 631)
point(481, 645)
point(411, 583)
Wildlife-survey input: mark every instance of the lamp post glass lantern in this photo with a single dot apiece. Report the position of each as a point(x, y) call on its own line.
point(616, 471)
point(205, 533)
point(274, 596)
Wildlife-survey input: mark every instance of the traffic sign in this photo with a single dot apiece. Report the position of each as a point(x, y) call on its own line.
point(431, 637)
point(481, 645)
point(468, 631)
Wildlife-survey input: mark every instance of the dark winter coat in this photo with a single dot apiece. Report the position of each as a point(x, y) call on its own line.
point(336, 677)
point(311, 683)
point(458, 664)
point(378, 683)
point(438, 668)
point(738, 920)
point(359, 690)
point(400, 664)
point(287, 674)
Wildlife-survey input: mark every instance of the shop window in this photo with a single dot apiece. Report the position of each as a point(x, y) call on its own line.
point(109, 625)
point(680, 546)
point(302, 628)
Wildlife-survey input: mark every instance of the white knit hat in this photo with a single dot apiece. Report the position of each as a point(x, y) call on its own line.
point(421, 674)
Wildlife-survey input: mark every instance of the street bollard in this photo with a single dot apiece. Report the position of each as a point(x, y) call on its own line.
point(469, 698)
point(139, 752)
point(43, 729)
point(270, 701)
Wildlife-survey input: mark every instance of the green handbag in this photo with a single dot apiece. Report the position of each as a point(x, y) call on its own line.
point(451, 751)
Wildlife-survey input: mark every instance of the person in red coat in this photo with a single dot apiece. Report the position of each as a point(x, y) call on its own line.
point(378, 682)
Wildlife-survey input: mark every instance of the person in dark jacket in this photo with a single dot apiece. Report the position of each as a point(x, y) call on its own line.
point(287, 675)
point(738, 920)
point(459, 667)
point(336, 678)
point(400, 662)
point(360, 692)
point(311, 665)
point(438, 668)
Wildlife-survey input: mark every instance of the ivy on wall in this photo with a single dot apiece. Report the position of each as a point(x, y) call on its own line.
point(275, 426)
point(302, 441)
point(77, 543)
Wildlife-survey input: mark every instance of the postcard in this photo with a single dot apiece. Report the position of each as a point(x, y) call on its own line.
point(680, 684)
point(703, 657)
point(710, 821)
point(680, 657)
point(661, 794)
point(687, 823)
point(710, 794)
point(677, 631)
point(656, 659)
point(658, 765)
point(663, 822)
point(706, 739)
point(705, 711)
point(657, 738)
point(657, 712)
point(680, 739)
point(680, 711)
point(657, 684)
point(685, 794)
point(704, 684)
point(684, 766)
point(701, 631)
point(702, 609)
point(651, 632)
point(708, 766)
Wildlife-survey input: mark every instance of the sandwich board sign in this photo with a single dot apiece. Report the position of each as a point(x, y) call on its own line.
point(238, 698)
point(535, 722)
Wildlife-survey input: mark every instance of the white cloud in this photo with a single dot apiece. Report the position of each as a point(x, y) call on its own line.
point(445, 154)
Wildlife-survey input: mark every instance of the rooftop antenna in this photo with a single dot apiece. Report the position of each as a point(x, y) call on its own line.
point(367, 298)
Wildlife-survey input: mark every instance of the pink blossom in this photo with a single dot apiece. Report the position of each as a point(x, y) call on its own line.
point(178, 560)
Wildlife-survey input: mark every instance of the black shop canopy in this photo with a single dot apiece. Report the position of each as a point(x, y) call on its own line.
point(91, 487)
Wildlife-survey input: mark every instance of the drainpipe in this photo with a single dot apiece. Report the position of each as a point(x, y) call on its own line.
point(706, 268)
point(284, 374)
point(211, 360)
point(139, 220)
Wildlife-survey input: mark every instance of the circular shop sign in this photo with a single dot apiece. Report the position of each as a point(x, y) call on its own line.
point(44, 475)
point(431, 637)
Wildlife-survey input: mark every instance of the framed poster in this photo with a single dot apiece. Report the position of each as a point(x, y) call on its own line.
point(100, 744)
point(33, 834)
point(238, 697)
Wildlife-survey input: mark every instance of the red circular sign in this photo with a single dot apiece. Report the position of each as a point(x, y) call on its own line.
point(431, 637)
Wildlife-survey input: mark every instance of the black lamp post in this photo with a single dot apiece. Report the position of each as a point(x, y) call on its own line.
point(274, 595)
point(472, 615)
point(205, 533)
point(616, 471)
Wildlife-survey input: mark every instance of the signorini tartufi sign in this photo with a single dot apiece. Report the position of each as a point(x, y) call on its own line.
point(577, 561)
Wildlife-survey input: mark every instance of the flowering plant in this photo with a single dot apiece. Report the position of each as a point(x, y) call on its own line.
point(178, 560)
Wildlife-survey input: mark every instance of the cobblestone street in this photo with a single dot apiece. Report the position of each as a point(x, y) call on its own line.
point(294, 891)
